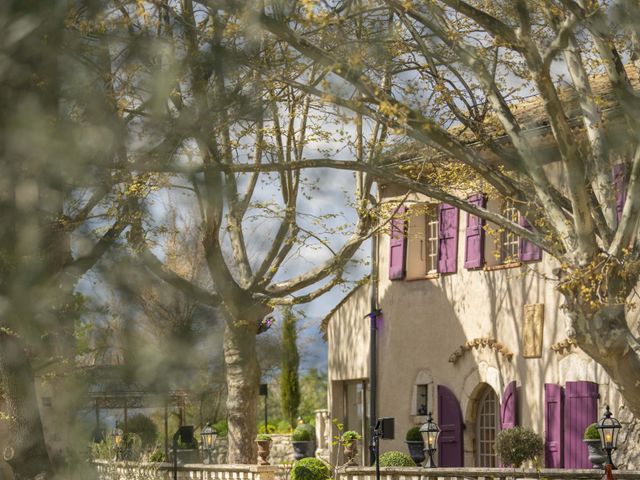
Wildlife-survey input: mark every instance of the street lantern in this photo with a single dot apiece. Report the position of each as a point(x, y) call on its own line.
point(609, 428)
point(208, 435)
point(116, 437)
point(430, 432)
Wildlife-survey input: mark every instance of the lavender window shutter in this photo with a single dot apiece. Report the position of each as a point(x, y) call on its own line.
point(447, 238)
point(581, 410)
point(620, 186)
point(528, 250)
point(474, 235)
point(509, 407)
point(398, 246)
point(450, 444)
point(553, 425)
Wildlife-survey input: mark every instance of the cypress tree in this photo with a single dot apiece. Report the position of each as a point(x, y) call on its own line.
point(289, 385)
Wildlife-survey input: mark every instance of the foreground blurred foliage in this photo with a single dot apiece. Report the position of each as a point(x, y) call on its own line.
point(117, 115)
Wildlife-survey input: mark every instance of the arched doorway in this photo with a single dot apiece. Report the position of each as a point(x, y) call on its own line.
point(487, 427)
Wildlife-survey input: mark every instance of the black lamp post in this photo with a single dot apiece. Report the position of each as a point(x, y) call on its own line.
point(116, 437)
point(430, 432)
point(609, 428)
point(208, 435)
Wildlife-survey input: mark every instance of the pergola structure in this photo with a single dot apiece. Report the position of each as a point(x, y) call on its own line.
point(111, 386)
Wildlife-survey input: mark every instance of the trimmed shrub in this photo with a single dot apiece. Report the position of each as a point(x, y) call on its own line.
point(591, 432)
point(518, 445)
point(144, 427)
point(396, 459)
point(263, 437)
point(301, 434)
point(310, 469)
point(413, 435)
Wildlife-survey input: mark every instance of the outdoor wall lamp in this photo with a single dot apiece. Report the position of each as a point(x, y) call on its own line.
point(208, 435)
point(430, 432)
point(609, 428)
point(116, 437)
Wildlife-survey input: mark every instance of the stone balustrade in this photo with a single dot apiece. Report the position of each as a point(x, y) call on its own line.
point(389, 473)
point(109, 470)
point(164, 471)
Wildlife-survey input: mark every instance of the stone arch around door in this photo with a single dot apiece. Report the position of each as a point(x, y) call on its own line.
point(480, 431)
point(474, 385)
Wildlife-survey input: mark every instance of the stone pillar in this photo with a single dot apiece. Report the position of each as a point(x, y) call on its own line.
point(264, 472)
point(323, 434)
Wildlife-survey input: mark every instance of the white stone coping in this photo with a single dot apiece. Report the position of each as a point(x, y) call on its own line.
point(472, 472)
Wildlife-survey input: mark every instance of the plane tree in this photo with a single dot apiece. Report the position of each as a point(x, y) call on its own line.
point(221, 113)
point(63, 204)
point(461, 77)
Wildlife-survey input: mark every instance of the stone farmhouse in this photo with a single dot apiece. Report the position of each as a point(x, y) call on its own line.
point(472, 330)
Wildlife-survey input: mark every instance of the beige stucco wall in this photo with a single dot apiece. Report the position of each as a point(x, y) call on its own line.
point(427, 320)
point(349, 357)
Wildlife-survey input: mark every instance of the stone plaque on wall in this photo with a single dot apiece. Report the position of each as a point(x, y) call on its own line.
point(532, 330)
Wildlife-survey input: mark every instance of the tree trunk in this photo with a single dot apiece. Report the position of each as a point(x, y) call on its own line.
point(605, 336)
point(29, 456)
point(243, 377)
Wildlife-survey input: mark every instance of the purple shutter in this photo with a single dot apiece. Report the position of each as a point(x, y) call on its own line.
point(581, 410)
point(398, 245)
point(474, 235)
point(528, 250)
point(553, 425)
point(509, 407)
point(450, 420)
point(447, 238)
point(620, 186)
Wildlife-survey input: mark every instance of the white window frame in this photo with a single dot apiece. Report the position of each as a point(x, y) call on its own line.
point(432, 227)
point(509, 241)
point(487, 427)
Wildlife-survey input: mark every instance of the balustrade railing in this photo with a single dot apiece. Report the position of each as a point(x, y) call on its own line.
point(164, 471)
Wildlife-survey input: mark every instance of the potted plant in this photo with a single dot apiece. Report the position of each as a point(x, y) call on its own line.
point(415, 444)
point(300, 439)
point(592, 438)
point(518, 445)
point(311, 447)
point(349, 441)
point(264, 448)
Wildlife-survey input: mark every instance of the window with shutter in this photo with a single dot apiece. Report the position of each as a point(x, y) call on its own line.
point(580, 411)
point(509, 407)
point(528, 251)
point(474, 235)
point(450, 441)
point(553, 425)
point(398, 245)
point(447, 238)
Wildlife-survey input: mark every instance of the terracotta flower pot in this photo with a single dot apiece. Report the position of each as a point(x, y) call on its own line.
point(350, 453)
point(264, 448)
